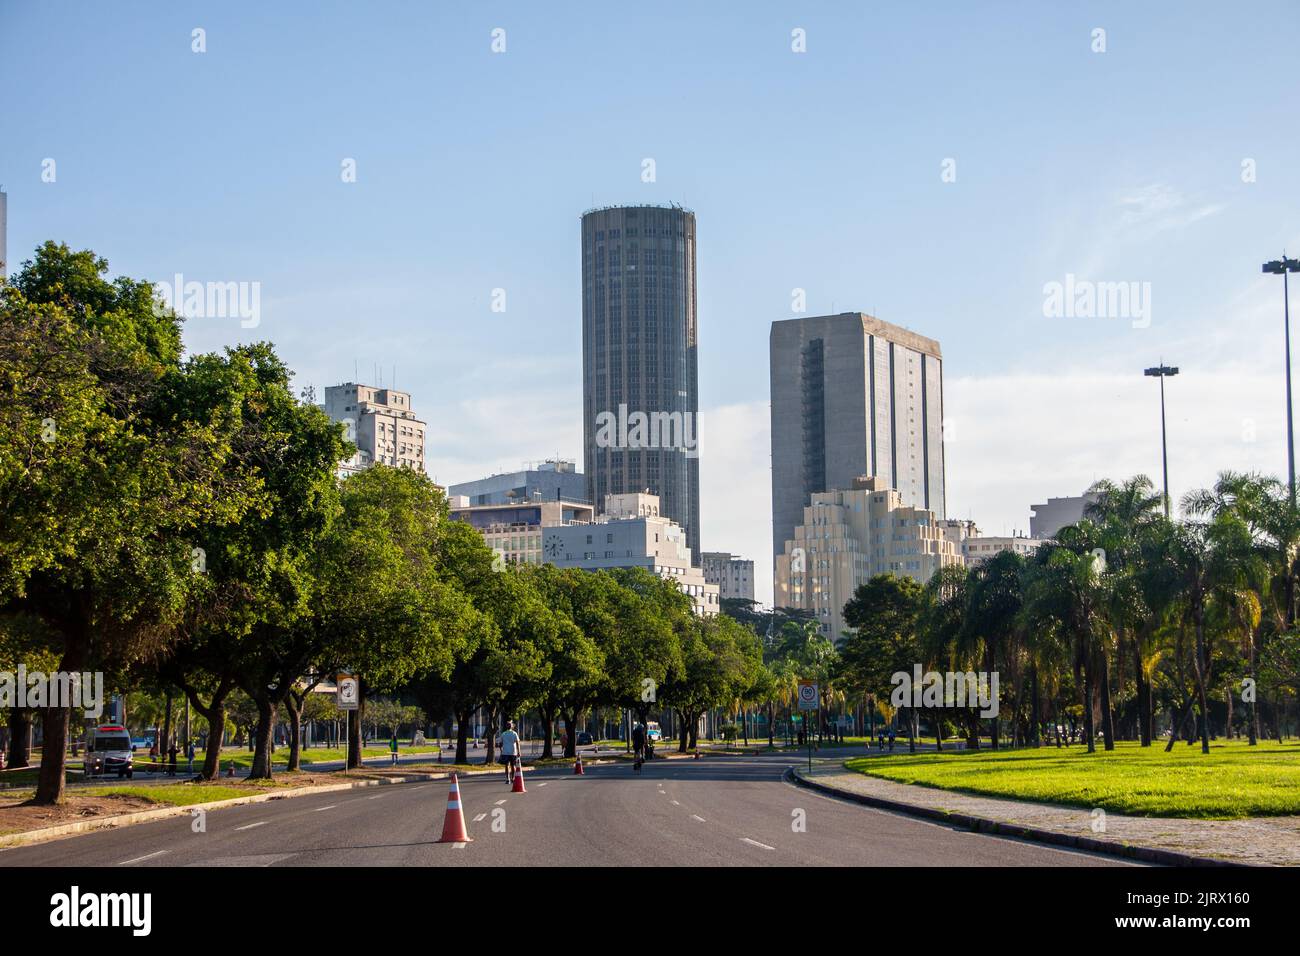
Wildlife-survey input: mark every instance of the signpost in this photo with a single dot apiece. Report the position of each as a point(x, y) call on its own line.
point(347, 700)
point(808, 698)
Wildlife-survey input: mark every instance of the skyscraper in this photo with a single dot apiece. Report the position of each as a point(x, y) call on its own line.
point(853, 396)
point(639, 368)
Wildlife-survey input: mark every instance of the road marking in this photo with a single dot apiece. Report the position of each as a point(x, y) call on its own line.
point(695, 816)
point(147, 856)
point(544, 783)
point(458, 846)
point(251, 825)
point(756, 843)
point(330, 807)
point(378, 796)
point(481, 816)
point(499, 802)
point(677, 803)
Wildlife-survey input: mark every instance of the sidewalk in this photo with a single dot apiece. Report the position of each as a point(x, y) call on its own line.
point(1258, 841)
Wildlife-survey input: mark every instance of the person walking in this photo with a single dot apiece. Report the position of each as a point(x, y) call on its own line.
point(171, 760)
point(638, 747)
point(891, 740)
point(510, 751)
point(392, 748)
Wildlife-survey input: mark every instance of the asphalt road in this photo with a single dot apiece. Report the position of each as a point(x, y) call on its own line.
point(718, 811)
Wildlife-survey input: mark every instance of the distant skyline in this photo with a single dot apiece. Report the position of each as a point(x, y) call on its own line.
point(1167, 161)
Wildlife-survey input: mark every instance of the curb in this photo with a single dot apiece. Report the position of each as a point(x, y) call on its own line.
point(1127, 851)
point(46, 834)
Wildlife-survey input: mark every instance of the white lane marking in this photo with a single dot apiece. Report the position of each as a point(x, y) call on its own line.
point(378, 796)
point(480, 817)
point(677, 803)
point(695, 816)
point(458, 846)
point(499, 802)
point(147, 856)
point(321, 809)
point(261, 823)
point(544, 783)
point(756, 843)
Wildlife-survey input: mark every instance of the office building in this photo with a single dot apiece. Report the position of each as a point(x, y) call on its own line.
point(639, 369)
point(553, 480)
point(1047, 519)
point(380, 423)
point(631, 532)
point(977, 550)
point(734, 576)
point(845, 538)
point(514, 529)
point(852, 396)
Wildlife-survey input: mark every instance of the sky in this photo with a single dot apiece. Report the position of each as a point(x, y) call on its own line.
point(939, 166)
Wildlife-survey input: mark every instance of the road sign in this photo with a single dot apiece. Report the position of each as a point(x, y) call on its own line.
point(349, 694)
point(807, 695)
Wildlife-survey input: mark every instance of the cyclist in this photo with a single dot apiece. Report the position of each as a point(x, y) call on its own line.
point(510, 751)
point(638, 746)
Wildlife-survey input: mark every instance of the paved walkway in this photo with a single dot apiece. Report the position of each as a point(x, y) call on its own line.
point(1258, 841)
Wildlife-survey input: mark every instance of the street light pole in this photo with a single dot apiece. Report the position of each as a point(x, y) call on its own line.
point(1162, 372)
point(1282, 267)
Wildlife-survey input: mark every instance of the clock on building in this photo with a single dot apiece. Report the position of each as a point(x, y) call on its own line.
point(552, 546)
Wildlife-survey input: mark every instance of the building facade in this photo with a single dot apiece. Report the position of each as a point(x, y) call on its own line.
point(845, 538)
point(979, 549)
point(551, 480)
point(852, 396)
point(380, 423)
point(1048, 518)
point(514, 530)
point(639, 369)
point(734, 576)
point(631, 532)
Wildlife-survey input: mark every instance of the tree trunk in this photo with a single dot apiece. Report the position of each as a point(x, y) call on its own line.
point(353, 761)
point(1143, 692)
point(293, 705)
point(462, 736)
point(1107, 717)
point(1087, 708)
point(20, 738)
point(1202, 676)
point(548, 731)
point(166, 728)
point(261, 769)
point(51, 783)
point(490, 744)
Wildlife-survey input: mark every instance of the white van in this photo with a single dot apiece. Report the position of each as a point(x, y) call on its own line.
point(109, 751)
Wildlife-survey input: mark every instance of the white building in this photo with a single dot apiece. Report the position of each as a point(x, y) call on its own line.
point(631, 533)
point(977, 550)
point(380, 423)
point(734, 576)
point(1049, 518)
point(848, 537)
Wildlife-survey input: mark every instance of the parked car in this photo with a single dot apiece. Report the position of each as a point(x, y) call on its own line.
point(585, 739)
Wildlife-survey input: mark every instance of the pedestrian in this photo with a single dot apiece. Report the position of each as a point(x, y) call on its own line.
point(891, 740)
point(880, 739)
point(392, 748)
point(171, 760)
point(638, 747)
point(510, 751)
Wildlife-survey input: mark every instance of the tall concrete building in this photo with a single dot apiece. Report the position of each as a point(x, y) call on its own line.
point(733, 575)
point(845, 538)
point(853, 396)
point(639, 369)
point(380, 423)
point(514, 530)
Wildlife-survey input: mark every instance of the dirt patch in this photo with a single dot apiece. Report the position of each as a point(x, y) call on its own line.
point(17, 815)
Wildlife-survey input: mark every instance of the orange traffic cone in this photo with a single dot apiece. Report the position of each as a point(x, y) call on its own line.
point(697, 753)
point(453, 824)
point(577, 768)
point(518, 785)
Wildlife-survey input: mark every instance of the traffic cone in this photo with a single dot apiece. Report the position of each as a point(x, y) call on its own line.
point(577, 768)
point(453, 824)
point(697, 753)
point(230, 769)
point(518, 785)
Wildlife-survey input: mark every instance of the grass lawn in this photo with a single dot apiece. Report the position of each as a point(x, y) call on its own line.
point(177, 795)
point(1233, 781)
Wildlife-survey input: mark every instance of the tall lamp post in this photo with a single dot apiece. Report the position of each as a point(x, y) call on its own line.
point(1282, 267)
point(1163, 372)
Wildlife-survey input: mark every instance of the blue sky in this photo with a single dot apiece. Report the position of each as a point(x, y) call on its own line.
point(818, 170)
